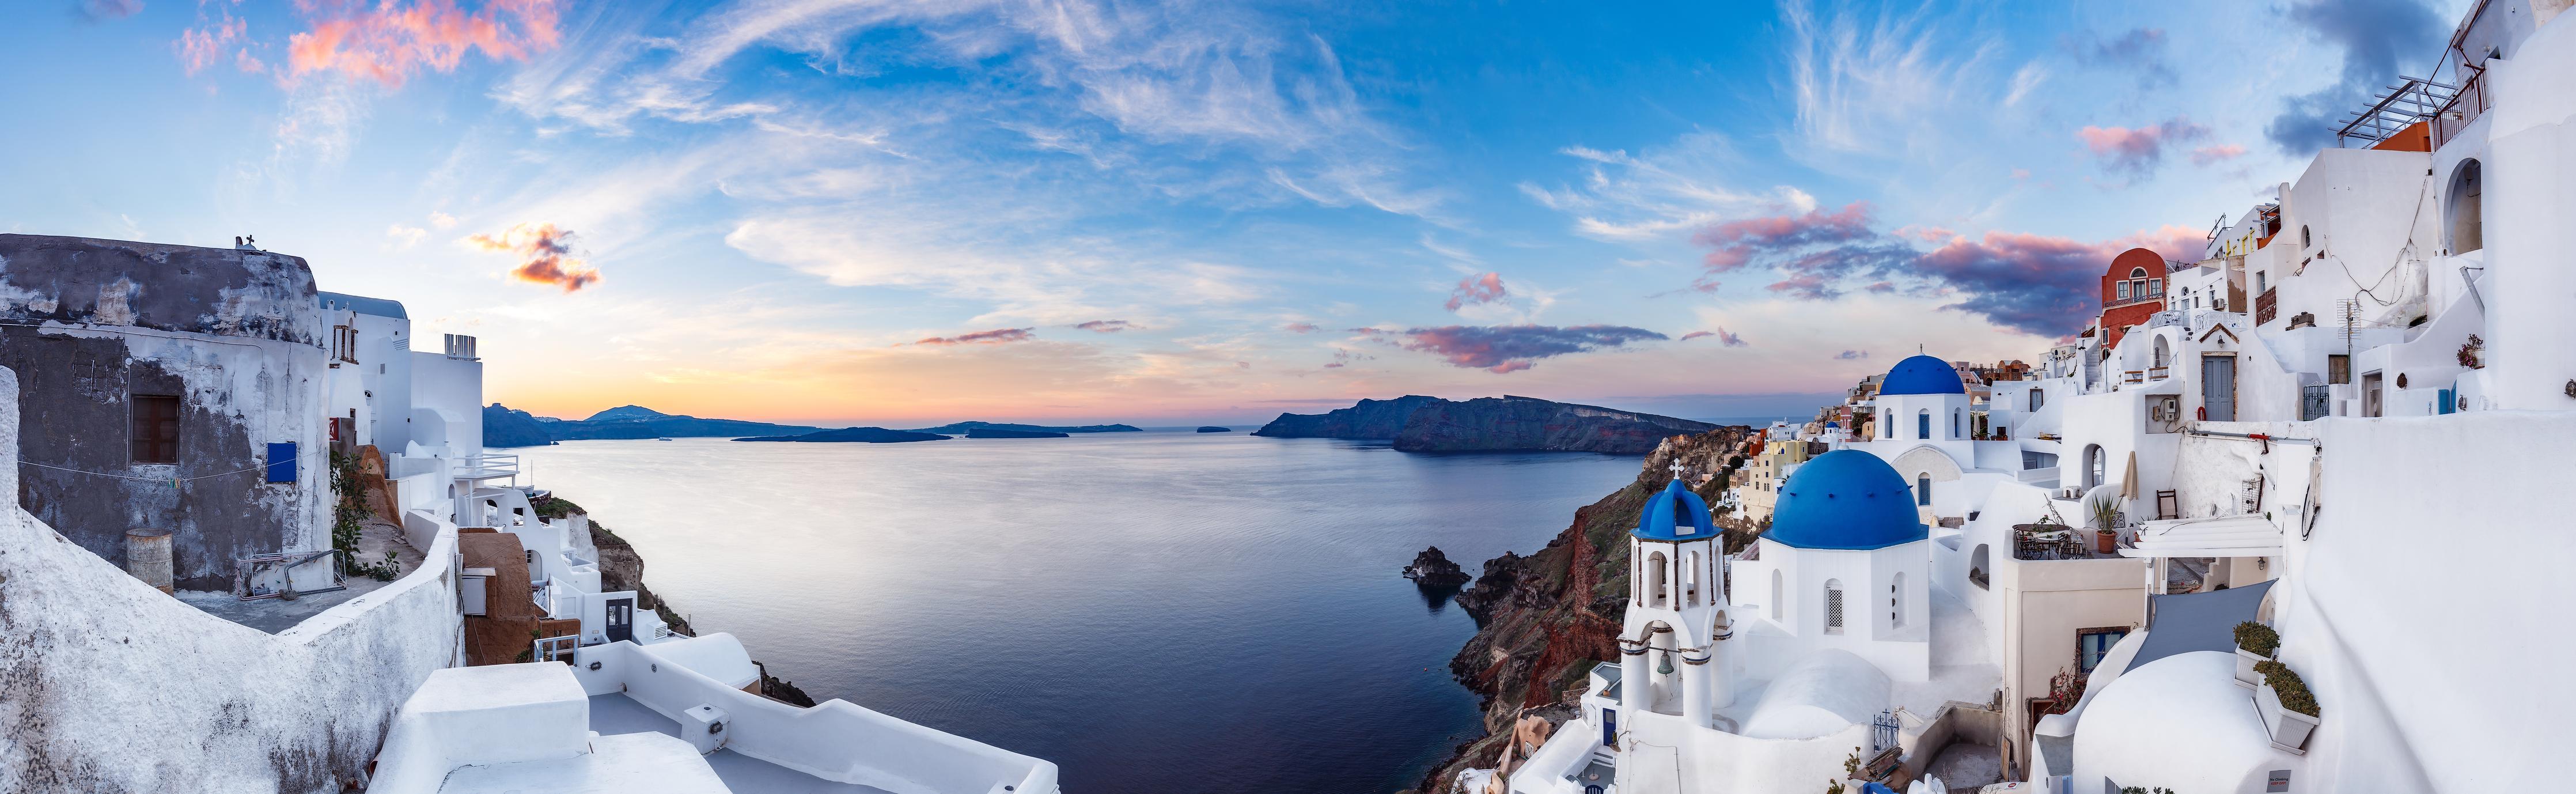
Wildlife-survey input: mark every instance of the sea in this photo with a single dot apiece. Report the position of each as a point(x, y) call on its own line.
point(1160, 611)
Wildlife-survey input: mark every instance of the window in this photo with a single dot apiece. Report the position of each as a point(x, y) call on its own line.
point(1923, 490)
point(1923, 424)
point(1833, 606)
point(2123, 289)
point(156, 428)
point(1657, 568)
point(1891, 424)
point(2338, 368)
point(2155, 287)
point(2093, 644)
point(2136, 286)
point(1896, 601)
point(2037, 399)
point(2466, 232)
point(2260, 279)
point(2304, 240)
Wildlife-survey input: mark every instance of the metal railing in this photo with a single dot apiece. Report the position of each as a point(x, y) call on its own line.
point(550, 649)
point(2159, 373)
point(2396, 108)
point(2464, 107)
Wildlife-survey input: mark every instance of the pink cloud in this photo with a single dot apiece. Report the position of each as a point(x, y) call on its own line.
point(1511, 348)
point(1736, 241)
point(2211, 154)
point(1106, 326)
point(390, 40)
point(202, 46)
point(993, 337)
point(1695, 335)
point(1486, 288)
point(545, 254)
point(1300, 328)
point(1723, 337)
point(2137, 150)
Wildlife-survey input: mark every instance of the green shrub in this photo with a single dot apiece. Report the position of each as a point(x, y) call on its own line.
point(2259, 638)
point(2286, 684)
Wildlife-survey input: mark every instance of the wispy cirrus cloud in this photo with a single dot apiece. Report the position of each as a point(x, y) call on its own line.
point(1504, 349)
point(201, 46)
point(1105, 326)
point(2207, 155)
point(389, 41)
point(1655, 194)
point(1300, 328)
point(545, 254)
point(996, 336)
point(2137, 151)
point(2140, 50)
point(1477, 289)
point(104, 10)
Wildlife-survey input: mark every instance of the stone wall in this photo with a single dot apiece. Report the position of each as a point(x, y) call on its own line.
point(236, 335)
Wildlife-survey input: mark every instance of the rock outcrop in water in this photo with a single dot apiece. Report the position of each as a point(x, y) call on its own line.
point(1433, 569)
point(1215, 429)
point(1545, 618)
point(1488, 424)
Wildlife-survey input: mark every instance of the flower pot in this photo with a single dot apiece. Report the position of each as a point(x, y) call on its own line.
point(2289, 729)
point(2107, 542)
point(2245, 675)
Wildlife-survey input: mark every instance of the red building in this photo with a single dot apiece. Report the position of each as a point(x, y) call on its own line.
point(2133, 289)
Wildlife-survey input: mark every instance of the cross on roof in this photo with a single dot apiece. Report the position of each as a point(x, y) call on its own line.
point(1677, 469)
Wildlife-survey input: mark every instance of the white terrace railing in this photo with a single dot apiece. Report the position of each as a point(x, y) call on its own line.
point(552, 648)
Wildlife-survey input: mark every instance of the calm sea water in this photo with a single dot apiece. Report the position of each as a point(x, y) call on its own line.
point(1154, 612)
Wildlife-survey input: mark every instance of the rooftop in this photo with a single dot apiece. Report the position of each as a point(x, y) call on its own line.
point(615, 715)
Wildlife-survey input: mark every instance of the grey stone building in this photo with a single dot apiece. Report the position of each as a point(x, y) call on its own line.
point(169, 387)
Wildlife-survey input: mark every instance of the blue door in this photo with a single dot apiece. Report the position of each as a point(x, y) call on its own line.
point(1610, 727)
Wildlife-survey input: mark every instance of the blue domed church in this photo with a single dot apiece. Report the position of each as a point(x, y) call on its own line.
point(1846, 564)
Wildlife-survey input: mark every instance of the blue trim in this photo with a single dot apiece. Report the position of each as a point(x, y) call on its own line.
point(281, 462)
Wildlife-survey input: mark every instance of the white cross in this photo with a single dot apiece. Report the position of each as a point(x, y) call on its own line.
point(1677, 469)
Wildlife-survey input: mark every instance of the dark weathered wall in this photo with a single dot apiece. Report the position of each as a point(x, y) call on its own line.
point(89, 323)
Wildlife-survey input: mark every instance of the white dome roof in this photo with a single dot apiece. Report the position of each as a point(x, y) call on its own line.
point(2181, 706)
point(1827, 691)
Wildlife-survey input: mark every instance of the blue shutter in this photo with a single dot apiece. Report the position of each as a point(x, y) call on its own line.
point(281, 462)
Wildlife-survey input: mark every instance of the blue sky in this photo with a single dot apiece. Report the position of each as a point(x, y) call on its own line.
point(883, 211)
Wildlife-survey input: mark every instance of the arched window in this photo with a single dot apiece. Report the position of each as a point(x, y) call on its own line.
point(1833, 606)
point(1690, 579)
point(2092, 466)
point(1891, 424)
point(1977, 567)
point(2037, 399)
point(1657, 568)
point(2164, 352)
point(1779, 594)
point(1955, 416)
point(2305, 242)
point(1923, 423)
point(2467, 194)
point(1923, 490)
point(1896, 601)
point(2138, 283)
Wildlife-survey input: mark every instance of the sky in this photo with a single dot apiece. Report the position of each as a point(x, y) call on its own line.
point(893, 211)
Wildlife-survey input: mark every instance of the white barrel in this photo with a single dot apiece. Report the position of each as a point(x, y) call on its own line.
point(147, 556)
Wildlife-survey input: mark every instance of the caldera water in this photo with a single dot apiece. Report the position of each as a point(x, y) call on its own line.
point(1154, 612)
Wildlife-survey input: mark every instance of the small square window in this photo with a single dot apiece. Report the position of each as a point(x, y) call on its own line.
point(156, 428)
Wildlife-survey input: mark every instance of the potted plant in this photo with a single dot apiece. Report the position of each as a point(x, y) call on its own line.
point(2289, 709)
point(2255, 642)
point(2106, 522)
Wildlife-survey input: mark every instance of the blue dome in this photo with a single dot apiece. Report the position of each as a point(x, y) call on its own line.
point(1675, 514)
point(1922, 375)
point(1846, 499)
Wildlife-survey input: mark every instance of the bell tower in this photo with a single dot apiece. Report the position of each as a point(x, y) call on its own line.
point(1671, 660)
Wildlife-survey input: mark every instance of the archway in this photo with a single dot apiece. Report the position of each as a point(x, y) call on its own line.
point(1657, 584)
point(2464, 208)
point(1977, 567)
point(2092, 466)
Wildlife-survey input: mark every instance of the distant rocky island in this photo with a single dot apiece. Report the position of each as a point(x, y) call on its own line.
point(970, 427)
point(861, 435)
point(507, 427)
point(1215, 429)
point(995, 432)
point(1488, 424)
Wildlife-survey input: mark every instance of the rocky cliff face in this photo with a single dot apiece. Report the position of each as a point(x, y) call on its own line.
point(1488, 424)
point(506, 427)
point(1548, 616)
point(1370, 419)
point(1495, 424)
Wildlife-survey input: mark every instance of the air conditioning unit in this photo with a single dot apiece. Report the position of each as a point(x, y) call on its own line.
point(704, 727)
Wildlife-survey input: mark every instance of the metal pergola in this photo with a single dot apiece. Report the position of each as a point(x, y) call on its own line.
point(2394, 109)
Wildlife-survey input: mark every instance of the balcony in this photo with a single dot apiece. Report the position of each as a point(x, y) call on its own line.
point(2267, 306)
point(2463, 109)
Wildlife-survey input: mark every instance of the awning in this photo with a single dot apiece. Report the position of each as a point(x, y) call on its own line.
point(2186, 622)
point(2229, 536)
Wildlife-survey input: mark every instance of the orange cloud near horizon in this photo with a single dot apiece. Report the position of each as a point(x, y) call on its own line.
point(546, 254)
